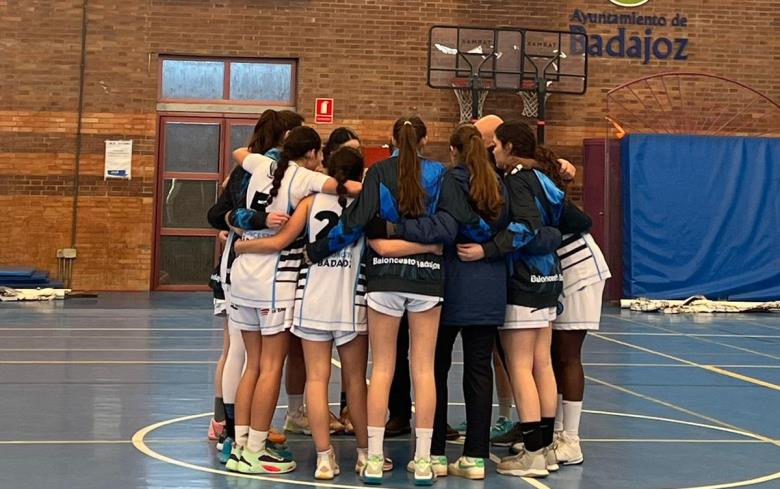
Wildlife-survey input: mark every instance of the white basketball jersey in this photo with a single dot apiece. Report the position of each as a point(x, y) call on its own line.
point(331, 294)
point(582, 262)
point(268, 280)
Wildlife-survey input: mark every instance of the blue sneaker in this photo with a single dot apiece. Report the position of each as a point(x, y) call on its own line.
point(502, 427)
point(224, 455)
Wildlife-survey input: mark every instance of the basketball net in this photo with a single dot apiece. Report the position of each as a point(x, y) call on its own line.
point(466, 102)
point(531, 102)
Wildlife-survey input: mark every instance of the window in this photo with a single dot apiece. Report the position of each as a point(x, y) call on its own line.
point(265, 81)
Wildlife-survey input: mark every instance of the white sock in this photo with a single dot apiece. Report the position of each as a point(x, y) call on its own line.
point(571, 418)
point(423, 438)
point(559, 414)
point(362, 452)
point(256, 440)
point(294, 402)
point(324, 455)
point(376, 438)
point(505, 407)
point(242, 433)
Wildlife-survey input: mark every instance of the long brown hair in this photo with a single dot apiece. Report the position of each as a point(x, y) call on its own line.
point(408, 132)
point(299, 141)
point(484, 190)
point(524, 145)
point(345, 164)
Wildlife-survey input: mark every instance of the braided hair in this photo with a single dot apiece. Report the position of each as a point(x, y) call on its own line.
point(345, 164)
point(299, 141)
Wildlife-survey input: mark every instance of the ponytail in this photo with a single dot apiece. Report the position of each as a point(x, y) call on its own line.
point(299, 141)
point(345, 164)
point(411, 195)
point(484, 190)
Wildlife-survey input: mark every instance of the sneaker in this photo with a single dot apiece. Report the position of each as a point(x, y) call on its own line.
point(373, 470)
point(452, 434)
point(525, 464)
point(223, 455)
point(234, 459)
point(215, 429)
point(568, 450)
point(221, 440)
point(517, 448)
point(349, 428)
point(265, 461)
point(362, 460)
point(550, 460)
point(336, 426)
point(276, 437)
point(397, 427)
point(297, 422)
point(424, 471)
point(461, 428)
point(327, 468)
point(468, 468)
point(502, 426)
point(438, 462)
point(514, 435)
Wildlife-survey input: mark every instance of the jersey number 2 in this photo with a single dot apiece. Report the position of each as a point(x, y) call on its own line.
point(332, 219)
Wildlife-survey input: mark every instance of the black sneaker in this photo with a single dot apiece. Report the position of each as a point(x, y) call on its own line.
point(452, 433)
point(397, 427)
point(515, 435)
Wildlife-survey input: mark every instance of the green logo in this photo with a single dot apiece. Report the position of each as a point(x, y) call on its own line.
point(629, 3)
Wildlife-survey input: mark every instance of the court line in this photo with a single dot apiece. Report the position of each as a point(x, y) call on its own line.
point(107, 362)
point(703, 335)
point(704, 340)
point(708, 368)
point(109, 328)
point(99, 442)
point(106, 349)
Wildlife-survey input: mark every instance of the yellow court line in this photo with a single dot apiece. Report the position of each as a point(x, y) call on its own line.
point(335, 363)
point(534, 482)
point(173, 441)
point(710, 368)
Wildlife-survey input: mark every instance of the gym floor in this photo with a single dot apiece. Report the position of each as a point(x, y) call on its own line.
point(117, 391)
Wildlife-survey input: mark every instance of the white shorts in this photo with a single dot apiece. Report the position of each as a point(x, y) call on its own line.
point(521, 317)
point(581, 309)
point(396, 303)
point(268, 321)
point(220, 307)
point(339, 338)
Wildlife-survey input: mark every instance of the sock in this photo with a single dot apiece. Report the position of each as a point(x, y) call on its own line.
point(219, 410)
point(505, 407)
point(376, 438)
point(256, 440)
point(294, 402)
point(559, 414)
point(343, 402)
point(572, 410)
point(423, 439)
point(532, 436)
point(362, 452)
point(546, 426)
point(324, 455)
point(242, 433)
point(230, 420)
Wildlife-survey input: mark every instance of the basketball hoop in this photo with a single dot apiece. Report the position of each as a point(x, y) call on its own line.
point(465, 95)
point(531, 99)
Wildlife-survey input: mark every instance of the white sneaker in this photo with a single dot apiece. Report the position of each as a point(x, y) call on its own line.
point(550, 460)
point(362, 461)
point(468, 468)
point(297, 422)
point(327, 468)
point(568, 450)
point(424, 473)
point(438, 462)
point(524, 464)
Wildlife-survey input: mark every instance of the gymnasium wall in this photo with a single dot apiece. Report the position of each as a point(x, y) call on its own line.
point(370, 56)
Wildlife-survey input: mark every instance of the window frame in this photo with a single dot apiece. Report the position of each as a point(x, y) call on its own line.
point(226, 100)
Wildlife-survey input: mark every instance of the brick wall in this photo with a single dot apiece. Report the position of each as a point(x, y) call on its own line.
point(370, 56)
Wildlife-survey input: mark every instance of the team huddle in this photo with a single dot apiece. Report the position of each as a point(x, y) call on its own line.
point(318, 251)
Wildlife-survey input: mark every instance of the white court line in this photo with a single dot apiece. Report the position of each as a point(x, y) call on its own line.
point(702, 335)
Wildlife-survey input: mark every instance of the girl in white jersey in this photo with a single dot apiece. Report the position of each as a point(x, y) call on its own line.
point(263, 288)
point(338, 282)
